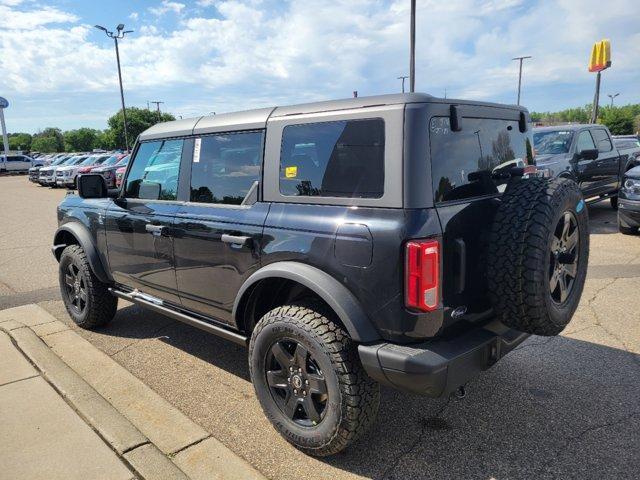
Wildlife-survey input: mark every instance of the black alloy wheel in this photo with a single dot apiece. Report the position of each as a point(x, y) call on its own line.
point(564, 251)
point(296, 383)
point(76, 288)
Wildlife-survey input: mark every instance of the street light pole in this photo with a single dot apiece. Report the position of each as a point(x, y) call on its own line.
point(157, 108)
point(612, 97)
point(520, 73)
point(120, 33)
point(412, 53)
point(403, 78)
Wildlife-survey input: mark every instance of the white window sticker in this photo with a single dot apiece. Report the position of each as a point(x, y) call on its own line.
point(196, 150)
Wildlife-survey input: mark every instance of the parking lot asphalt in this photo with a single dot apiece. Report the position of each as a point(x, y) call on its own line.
point(559, 407)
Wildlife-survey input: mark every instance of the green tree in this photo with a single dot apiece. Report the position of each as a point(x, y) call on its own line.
point(53, 137)
point(81, 140)
point(618, 120)
point(20, 141)
point(106, 139)
point(45, 145)
point(138, 120)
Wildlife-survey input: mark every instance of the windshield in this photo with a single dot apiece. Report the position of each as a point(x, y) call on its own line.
point(112, 160)
point(78, 161)
point(552, 142)
point(124, 161)
point(58, 161)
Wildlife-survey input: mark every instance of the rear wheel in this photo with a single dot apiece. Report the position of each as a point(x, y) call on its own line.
point(538, 255)
point(308, 378)
point(87, 299)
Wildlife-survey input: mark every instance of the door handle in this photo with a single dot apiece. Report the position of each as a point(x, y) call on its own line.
point(236, 239)
point(155, 230)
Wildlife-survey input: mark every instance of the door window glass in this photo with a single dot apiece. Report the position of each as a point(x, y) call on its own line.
point(585, 142)
point(475, 161)
point(602, 140)
point(225, 167)
point(154, 173)
point(333, 159)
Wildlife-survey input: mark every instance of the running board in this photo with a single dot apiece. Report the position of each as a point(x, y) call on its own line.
point(157, 305)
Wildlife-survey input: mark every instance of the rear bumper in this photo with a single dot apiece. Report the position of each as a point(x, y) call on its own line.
point(440, 366)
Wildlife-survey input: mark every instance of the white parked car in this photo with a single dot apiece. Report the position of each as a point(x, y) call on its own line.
point(48, 174)
point(15, 163)
point(66, 175)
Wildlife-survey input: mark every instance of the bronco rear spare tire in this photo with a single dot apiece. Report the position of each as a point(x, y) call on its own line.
point(538, 254)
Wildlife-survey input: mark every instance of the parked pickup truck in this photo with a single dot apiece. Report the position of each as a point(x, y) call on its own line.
point(585, 154)
point(401, 240)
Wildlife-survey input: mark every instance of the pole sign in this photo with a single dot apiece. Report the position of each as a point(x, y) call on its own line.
point(4, 103)
point(600, 56)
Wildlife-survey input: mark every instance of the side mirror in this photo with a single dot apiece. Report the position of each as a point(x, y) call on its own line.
point(92, 186)
point(590, 154)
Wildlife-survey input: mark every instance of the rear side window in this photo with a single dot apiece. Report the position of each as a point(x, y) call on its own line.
point(474, 161)
point(225, 167)
point(333, 159)
point(602, 140)
point(154, 173)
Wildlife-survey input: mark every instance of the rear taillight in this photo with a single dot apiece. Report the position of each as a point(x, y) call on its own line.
point(422, 274)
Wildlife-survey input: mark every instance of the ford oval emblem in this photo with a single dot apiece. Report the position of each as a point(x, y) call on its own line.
point(458, 312)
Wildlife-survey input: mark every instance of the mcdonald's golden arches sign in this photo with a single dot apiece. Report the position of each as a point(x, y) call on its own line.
point(600, 56)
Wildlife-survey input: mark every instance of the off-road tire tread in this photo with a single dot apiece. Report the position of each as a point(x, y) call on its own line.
point(102, 305)
point(518, 245)
point(360, 394)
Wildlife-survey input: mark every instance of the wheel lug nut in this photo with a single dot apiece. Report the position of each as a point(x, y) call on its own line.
point(304, 392)
point(306, 382)
point(295, 391)
point(291, 369)
point(299, 370)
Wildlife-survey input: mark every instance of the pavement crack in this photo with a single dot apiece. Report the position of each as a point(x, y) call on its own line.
point(152, 336)
point(425, 421)
point(579, 436)
point(182, 449)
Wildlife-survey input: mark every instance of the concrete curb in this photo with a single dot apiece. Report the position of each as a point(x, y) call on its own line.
point(153, 437)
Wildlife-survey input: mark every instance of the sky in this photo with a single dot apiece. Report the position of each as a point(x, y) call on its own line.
point(204, 56)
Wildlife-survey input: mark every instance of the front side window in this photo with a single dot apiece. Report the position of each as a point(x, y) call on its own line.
point(333, 159)
point(602, 140)
point(154, 174)
point(225, 167)
point(475, 161)
point(585, 142)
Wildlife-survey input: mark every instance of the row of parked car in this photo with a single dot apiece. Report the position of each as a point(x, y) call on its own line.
point(62, 170)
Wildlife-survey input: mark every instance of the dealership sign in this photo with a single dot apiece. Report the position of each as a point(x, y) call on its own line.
point(4, 103)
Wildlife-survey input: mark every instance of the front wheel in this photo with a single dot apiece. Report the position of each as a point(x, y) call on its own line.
point(86, 298)
point(309, 381)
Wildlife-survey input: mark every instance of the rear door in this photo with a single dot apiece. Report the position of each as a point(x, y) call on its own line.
point(608, 162)
point(219, 230)
point(139, 223)
point(469, 175)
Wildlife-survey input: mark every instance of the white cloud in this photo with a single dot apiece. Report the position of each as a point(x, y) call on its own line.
point(256, 53)
point(167, 6)
point(134, 16)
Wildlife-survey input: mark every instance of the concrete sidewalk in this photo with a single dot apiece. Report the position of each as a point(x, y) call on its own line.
point(69, 411)
point(41, 436)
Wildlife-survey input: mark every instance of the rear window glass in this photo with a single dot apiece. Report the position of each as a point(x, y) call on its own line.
point(333, 159)
point(475, 161)
point(552, 142)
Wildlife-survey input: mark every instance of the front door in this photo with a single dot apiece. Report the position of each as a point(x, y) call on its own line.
point(218, 232)
point(139, 223)
point(586, 168)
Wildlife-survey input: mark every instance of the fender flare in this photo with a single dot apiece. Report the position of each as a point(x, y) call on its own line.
point(83, 237)
point(336, 295)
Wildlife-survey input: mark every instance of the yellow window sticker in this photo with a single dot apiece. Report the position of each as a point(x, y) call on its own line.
point(291, 172)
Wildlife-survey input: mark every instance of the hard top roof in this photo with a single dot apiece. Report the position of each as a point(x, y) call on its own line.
point(571, 127)
point(256, 119)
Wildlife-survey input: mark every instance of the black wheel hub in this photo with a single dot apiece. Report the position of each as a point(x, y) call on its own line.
point(75, 288)
point(296, 383)
point(563, 265)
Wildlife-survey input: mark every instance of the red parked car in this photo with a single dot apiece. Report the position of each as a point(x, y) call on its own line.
point(119, 175)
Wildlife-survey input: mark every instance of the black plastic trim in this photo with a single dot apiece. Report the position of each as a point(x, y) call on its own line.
point(82, 235)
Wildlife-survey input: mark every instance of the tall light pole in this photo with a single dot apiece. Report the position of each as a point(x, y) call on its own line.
point(612, 97)
point(520, 73)
point(4, 103)
point(412, 47)
point(120, 33)
point(403, 78)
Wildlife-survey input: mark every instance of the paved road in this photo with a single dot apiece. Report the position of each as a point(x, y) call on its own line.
point(562, 407)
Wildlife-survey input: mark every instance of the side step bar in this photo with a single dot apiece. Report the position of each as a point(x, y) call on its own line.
point(157, 305)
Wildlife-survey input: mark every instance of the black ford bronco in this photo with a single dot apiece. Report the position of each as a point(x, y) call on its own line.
point(398, 239)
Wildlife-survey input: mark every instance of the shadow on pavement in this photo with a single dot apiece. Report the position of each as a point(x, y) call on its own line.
point(554, 408)
point(602, 218)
